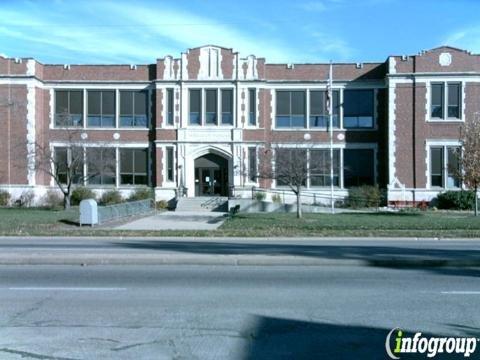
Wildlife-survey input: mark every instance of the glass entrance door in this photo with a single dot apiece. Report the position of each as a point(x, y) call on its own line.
point(209, 182)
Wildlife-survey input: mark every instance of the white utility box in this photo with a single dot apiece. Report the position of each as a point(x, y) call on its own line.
point(88, 212)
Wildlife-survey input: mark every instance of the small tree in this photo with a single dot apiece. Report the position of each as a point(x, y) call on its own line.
point(469, 156)
point(288, 165)
point(65, 164)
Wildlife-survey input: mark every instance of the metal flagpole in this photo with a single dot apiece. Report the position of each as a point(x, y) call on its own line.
point(330, 124)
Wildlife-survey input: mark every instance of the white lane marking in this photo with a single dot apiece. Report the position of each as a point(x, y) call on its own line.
point(461, 292)
point(66, 289)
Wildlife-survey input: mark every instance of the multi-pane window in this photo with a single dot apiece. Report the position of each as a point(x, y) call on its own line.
point(170, 162)
point(69, 162)
point(319, 116)
point(211, 107)
point(445, 97)
point(101, 166)
point(358, 109)
point(133, 108)
point(291, 167)
point(170, 106)
point(195, 98)
point(320, 167)
point(252, 107)
point(358, 167)
point(68, 108)
point(444, 166)
point(101, 108)
point(290, 109)
point(227, 106)
point(252, 164)
point(133, 167)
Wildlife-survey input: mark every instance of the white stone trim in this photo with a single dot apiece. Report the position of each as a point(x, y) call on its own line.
point(31, 135)
point(445, 83)
point(392, 111)
point(31, 67)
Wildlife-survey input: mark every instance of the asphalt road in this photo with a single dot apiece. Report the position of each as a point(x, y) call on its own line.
point(227, 312)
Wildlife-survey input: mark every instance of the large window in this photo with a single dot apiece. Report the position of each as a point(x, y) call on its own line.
point(69, 162)
point(320, 167)
point(195, 98)
point(358, 109)
point(290, 109)
point(101, 166)
point(291, 167)
point(68, 108)
point(227, 106)
point(252, 164)
point(211, 115)
point(358, 167)
point(101, 108)
point(170, 166)
point(133, 108)
point(319, 116)
point(170, 106)
point(445, 96)
point(252, 107)
point(444, 166)
point(133, 167)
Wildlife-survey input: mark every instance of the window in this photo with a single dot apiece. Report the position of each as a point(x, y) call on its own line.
point(358, 109)
point(133, 167)
point(195, 107)
point(101, 166)
point(227, 106)
point(252, 106)
point(133, 108)
point(320, 167)
point(68, 108)
point(319, 109)
point(446, 96)
point(290, 109)
point(437, 101)
point(101, 108)
point(291, 167)
point(444, 165)
point(252, 164)
point(69, 160)
point(454, 101)
point(211, 107)
point(358, 167)
point(170, 106)
point(170, 163)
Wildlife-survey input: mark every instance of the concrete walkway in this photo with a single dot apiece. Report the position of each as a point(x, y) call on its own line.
point(172, 220)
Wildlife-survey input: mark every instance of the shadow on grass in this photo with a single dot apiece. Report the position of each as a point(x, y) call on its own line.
point(278, 338)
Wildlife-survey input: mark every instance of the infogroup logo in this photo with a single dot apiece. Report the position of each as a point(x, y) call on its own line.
point(431, 346)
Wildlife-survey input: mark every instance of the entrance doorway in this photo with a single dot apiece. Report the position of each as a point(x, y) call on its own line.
point(211, 176)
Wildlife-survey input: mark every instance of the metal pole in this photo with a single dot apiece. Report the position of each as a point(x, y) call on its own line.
point(330, 117)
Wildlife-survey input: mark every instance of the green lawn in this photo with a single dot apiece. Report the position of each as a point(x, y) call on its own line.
point(15, 221)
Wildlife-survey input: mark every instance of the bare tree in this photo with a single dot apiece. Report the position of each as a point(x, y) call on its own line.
point(469, 156)
point(65, 164)
point(289, 166)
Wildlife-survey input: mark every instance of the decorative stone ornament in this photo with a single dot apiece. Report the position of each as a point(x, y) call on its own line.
point(84, 136)
point(445, 59)
point(116, 136)
point(341, 136)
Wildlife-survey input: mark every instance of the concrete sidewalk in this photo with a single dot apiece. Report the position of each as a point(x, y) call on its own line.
point(239, 251)
point(172, 220)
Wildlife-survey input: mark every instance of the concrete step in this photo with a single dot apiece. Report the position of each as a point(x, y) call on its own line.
point(202, 204)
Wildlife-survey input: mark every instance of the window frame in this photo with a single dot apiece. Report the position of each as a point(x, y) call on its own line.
point(169, 164)
point(445, 105)
point(170, 107)
point(336, 123)
point(374, 105)
point(81, 124)
point(327, 174)
point(291, 115)
point(133, 114)
point(252, 93)
point(133, 173)
point(252, 179)
point(445, 171)
point(101, 114)
point(102, 175)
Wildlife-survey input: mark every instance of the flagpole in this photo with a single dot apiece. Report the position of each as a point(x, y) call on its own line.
point(330, 117)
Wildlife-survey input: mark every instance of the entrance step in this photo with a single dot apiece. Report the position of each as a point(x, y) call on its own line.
point(203, 204)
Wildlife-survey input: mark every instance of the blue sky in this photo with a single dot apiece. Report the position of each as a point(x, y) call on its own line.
point(137, 31)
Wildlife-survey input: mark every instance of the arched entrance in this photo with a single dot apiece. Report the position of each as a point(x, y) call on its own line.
point(211, 175)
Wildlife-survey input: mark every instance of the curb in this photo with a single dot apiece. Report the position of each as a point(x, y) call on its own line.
point(224, 260)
